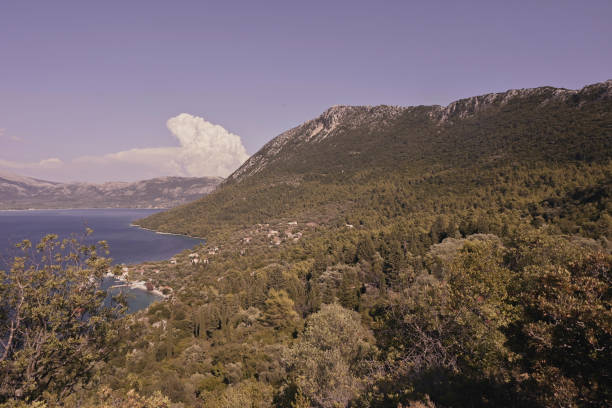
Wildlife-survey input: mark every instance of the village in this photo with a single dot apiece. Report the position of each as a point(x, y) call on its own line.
point(155, 277)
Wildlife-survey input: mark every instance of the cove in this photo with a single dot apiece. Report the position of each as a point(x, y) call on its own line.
point(127, 243)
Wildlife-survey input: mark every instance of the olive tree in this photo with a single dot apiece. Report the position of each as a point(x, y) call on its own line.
point(54, 322)
point(330, 361)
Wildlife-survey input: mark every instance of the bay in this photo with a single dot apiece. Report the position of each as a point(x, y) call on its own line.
point(127, 244)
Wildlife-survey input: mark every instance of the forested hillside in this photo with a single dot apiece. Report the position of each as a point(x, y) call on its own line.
point(383, 256)
point(451, 256)
point(513, 151)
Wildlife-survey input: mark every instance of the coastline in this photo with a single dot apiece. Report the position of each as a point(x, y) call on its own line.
point(138, 285)
point(127, 221)
point(167, 233)
point(86, 208)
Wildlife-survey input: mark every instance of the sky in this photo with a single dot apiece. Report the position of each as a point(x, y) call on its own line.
point(127, 90)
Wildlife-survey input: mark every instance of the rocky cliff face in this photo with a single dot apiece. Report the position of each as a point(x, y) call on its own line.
point(18, 192)
point(464, 108)
point(336, 119)
point(340, 119)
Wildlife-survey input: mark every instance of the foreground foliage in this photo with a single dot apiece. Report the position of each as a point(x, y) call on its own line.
point(54, 327)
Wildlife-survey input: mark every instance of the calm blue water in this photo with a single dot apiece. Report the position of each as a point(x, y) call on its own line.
point(127, 244)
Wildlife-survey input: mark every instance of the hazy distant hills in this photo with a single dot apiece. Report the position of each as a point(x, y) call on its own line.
point(18, 192)
point(523, 148)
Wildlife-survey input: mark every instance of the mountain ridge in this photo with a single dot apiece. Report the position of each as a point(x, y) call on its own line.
point(464, 106)
point(326, 167)
point(21, 192)
point(318, 129)
point(321, 127)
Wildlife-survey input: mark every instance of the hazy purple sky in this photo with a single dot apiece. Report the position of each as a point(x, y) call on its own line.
point(96, 79)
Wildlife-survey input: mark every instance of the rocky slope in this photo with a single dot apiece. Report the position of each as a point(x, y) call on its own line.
point(338, 120)
point(18, 192)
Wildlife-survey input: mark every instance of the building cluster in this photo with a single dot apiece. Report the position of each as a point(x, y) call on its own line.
point(194, 259)
point(278, 233)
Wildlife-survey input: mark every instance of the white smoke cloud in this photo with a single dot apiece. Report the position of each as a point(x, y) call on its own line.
point(205, 149)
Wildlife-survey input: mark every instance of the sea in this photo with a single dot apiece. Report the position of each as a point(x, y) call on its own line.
point(127, 243)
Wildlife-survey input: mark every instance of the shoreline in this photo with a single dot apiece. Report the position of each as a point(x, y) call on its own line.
point(167, 233)
point(137, 285)
point(86, 208)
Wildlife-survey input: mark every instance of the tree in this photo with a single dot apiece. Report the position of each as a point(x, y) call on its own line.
point(481, 305)
point(445, 335)
point(565, 336)
point(54, 324)
point(279, 310)
point(328, 362)
point(365, 249)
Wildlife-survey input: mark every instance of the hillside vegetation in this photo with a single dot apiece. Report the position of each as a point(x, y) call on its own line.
point(382, 256)
point(507, 153)
point(472, 241)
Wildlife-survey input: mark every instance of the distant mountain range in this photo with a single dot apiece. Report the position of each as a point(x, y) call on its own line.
point(19, 192)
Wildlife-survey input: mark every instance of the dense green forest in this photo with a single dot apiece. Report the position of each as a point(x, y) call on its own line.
point(435, 257)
